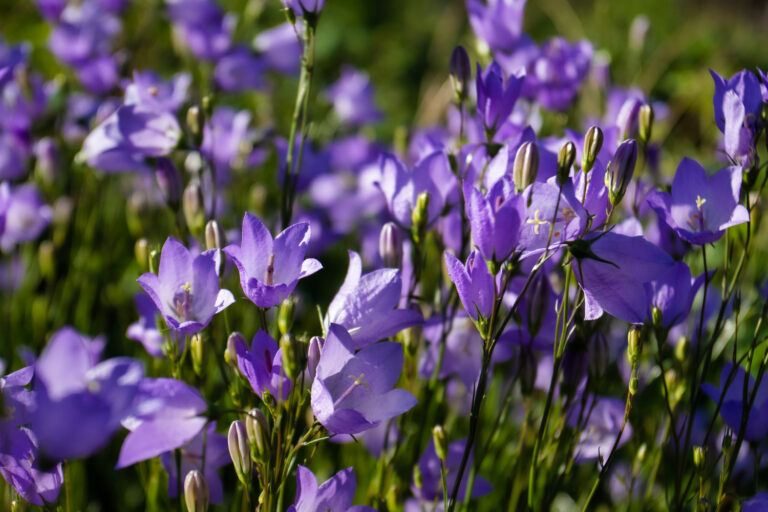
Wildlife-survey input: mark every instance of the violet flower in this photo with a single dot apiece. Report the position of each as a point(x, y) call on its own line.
point(497, 22)
point(334, 495)
point(601, 429)
point(280, 49)
point(145, 331)
point(401, 187)
point(556, 74)
point(699, 208)
point(496, 97)
point(240, 70)
point(186, 288)
point(737, 104)
point(304, 7)
point(474, 284)
point(19, 467)
point(150, 91)
point(80, 401)
point(733, 402)
point(271, 268)
point(756, 503)
point(495, 220)
point(366, 305)
point(202, 26)
point(352, 98)
point(23, 215)
point(353, 392)
point(262, 365)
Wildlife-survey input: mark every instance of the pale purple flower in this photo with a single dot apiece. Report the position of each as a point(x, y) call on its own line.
point(352, 98)
point(145, 330)
point(601, 428)
point(240, 70)
point(19, 467)
point(202, 26)
point(429, 465)
point(302, 7)
point(334, 495)
point(732, 394)
point(495, 219)
point(556, 74)
point(280, 49)
point(23, 215)
point(497, 22)
point(225, 136)
point(474, 284)
point(496, 96)
point(150, 91)
point(262, 365)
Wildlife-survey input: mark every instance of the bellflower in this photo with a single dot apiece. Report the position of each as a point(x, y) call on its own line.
point(145, 331)
point(215, 454)
point(240, 70)
point(556, 74)
point(732, 394)
point(673, 293)
point(497, 22)
point(19, 467)
point(756, 503)
point(352, 98)
point(366, 305)
point(601, 429)
point(186, 288)
point(151, 92)
point(699, 209)
point(271, 268)
point(23, 215)
point(280, 49)
point(334, 495)
point(165, 414)
point(496, 97)
point(401, 188)
point(224, 137)
point(202, 26)
point(494, 220)
point(474, 284)
point(744, 87)
point(353, 392)
point(262, 365)
point(80, 401)
point(302, 7)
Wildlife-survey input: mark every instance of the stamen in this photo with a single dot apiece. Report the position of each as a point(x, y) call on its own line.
point(358, 381)
point(537, 221)
point(269, 278)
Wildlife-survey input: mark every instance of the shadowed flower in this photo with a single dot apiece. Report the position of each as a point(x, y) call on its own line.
point(18, 456)
point(733, 402)
point(494, 220)
point(474, 284)
point(262, 365)
point(496, 97)
point(601, 428)
point(145, 331)
point(334, 495)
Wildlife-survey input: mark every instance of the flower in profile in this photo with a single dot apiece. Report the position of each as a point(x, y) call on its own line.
point(474, 284)
point(262, 365)
point(601, 429)
point(496, 97)
point(19, 467)
point(23, 215)
point(366, 305)
point(79, 400)
point(271, 268)
point(353, 392)
point(497, 22)
point(279, 48)
point(186, 288)
point(303, 7)
point(352, 98)
point(334, 495)
point(731, 391)
point(737, 104)
point(494, 220)
point(700, 208)
point(145, 331)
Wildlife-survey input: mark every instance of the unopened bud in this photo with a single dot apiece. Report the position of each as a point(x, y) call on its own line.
point(168, 180)
point(593, 142)
point(285, 315)
point(682, 348)
point(196, 124)
point(633, 345)
point(46, 259)
point(154, 260)
point(620, 170)
point(294, 355)
point(526, 166)
point(391, 245)
point(314, 350)
point(634, 384)
point(645, 122)
point(420, 217)
point(197, 351)
point(698, 457)
point(194, 210)
point(565, 159)
point(230, 354)
point(257, 427)
point(418, 479)
point(657, 317)
point(141, 253)
point(213, 236)
point(641, 452)
point(441, 442)
point(461, 72)
point(196, 492)
point(240, 451)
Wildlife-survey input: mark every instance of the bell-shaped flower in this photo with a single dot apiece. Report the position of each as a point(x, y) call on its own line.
point(145, 331)
point(353, 392)
point(366, 305)
point(165, 414)
point(700, 208)
point(186, 288)
point(745, 88)
point(556, 73)
point(303, 7)
point(79, 401)
point(474, 284)
point(495, 220)
point(673, 293)
point(150, 91)
point(334, 495)
point(352, 98)
point(601, 428)
point(202, 26)
point(262, 365)
point(496, 97)
point(271, 268)
point(497, 22)
point(23, 215)
point(19, 467)
point(731, 391)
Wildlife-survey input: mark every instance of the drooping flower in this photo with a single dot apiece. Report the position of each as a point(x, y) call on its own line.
point(353, 392)
point(334, 495)
point(262, 365)
point(601, 429)
point(352, 98)
point(366, 305)
point(186, 288)
point(732, 394)
point(271, 268)
point(700, 208)
point(496, 97)
point(494, 220)
point(474, 284)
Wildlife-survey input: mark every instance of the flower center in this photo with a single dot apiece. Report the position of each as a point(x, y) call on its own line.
point(182, 301)
point(269, 277)
point(356, 382)
point(536, 221)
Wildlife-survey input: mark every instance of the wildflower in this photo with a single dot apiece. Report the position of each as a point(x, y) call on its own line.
point(334, 495)
point(262, 365)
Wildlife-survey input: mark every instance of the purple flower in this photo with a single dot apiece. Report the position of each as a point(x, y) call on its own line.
point(673, 293)
point(145, 331)
point(240, 70)
point(302, 7)
point(23, 215)
point(280, 49)
point(366, 305)
point(352, 98)
point(733, 401)
point(737, 105)
point(165, 415)
point(186, 288)
point(271, 268)
point(401, 187)
point(601, 428)
point(353, 392)
point(224, 137)
point(474, 284)
point(497, 22)
point(429, 465)
point(334, 495)
point(202, 26)
point(699, 208)
point(263, 366)
point(80, 401)
point(18, 465)
point(150, 91)
point(495, 220)
point(756, 503)
point(496, 97)
point(215, 455)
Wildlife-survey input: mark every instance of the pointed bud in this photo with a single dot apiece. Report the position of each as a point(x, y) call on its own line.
point(641, 453)
point(257, 427)
point(526, 166)
point(196, 492)
point(285, 315)
point(213, 236)
point(645, 122)
point(420, 217)
point(141, 253)
point(657, 317)
point(154, 260)
point(194, 211)
point(168, 180)
point(313, 355)
point(634, 384)
point(593, 142)
point(46, 259)
point(240, 451)
point(391, 245)
point(230, 354)
point(294, 355)
point(698, 457)
point(196, 124)
point(461, 72)
point(565, 159)
point(682, 349)
point(620, 170)
point(633, 345)
point(441, 442)
point(197, 351)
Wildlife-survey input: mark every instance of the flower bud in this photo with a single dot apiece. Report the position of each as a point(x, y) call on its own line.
point(46, 259)
point(641, 453)
point(154, 260)
point(527, 370)
point(197, 351)
point(526, 166)
point(420, 217)
point(313, 355)
point(141, 253)
point(565, 159)
point(634, 384)
point(598, 356)
point(213, 237)
point(257, 427)
point(461, 72)
point(196, 492)
point(645, 122)
point(240, 451)
point(620, 170)
point(168, 180)
point(294, 355)
point(418, 478)
point(593, 142)
point(194, 211)
point(657, 317)
point(196, 124)
point(391, 245)
point(285, 315)
point(230, 353)
point(441, 442)
point(698, 457)
point(633, 345)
